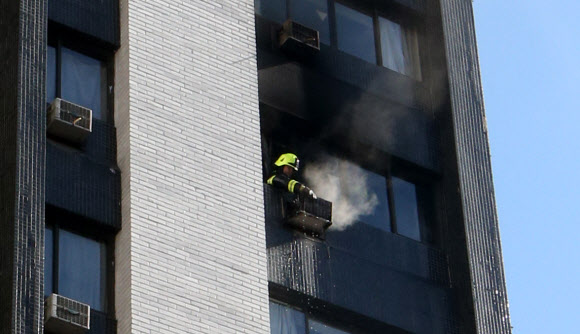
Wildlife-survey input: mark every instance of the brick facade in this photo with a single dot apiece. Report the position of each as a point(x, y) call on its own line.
point(191, 255)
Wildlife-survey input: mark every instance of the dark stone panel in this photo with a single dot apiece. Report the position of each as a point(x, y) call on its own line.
point(99, 19)
point(85, 180)
point(418, 5)
point(377, 274)
point(340, 317)
point(22, 164)
point(466, 123)
point(101, 145)
point(372, 244)
point(317, 269)
point(9, 23)
point(101, 323)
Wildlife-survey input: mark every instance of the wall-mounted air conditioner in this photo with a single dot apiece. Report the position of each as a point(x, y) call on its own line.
point(298, 38)
point(69, 121)
point(66, 316)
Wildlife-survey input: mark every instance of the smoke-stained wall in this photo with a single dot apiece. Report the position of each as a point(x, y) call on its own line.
point(191, 255)
point(433, 131)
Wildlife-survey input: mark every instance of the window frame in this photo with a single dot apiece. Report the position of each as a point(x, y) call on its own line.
point(59, 40)
point(106, 265)
point(408, 25)
point(308, 317)
point(381, 164)
point(370, 13)
point(422, 207)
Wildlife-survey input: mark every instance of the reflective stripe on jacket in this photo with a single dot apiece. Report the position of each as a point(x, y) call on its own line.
point(282, 181)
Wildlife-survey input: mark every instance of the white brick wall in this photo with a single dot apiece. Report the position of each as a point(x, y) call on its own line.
point(191, 257)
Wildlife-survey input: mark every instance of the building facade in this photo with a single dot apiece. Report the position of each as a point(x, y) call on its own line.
point(160, 219)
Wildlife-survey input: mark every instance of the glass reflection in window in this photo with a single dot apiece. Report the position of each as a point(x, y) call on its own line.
point(81, 80)
point(81, 269)
point(377, 186)
point(313, 14)
point(275, 10)
point(399, 48)
point(285, 320)
point(316, 327)
point(355, 33)
point(406, 209)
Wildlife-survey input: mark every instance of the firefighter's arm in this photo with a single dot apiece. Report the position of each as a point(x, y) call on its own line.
point(306, 192)
point(292, 186)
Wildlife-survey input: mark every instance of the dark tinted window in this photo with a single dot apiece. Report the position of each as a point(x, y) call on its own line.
point(81, 269)
point(355, 33)
point(406, 209)
point(275, 10)
point(379, 216)
point(316, 327)
point(313, 14)
point(287, 320)
point(81, 80)
point(399, 48)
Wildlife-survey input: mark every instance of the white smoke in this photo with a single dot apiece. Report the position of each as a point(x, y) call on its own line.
point(345, 185)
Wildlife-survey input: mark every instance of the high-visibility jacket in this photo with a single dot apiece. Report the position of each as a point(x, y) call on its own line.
point(282, 181)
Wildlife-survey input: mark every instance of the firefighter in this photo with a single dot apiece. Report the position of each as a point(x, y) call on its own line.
point(286, 165)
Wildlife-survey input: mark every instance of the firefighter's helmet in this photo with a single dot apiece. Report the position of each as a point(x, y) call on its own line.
point(288, 159)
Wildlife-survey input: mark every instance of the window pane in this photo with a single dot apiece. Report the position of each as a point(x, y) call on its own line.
point(406, 208)
point(80, 269)
point(48, 258)
point(316, 327)
point(313, 14)
point(81, 80)
point(355, 33)
point(399, 48)
point(379, 216)
point(273, 9)
point(285, 320)
point(50, 74)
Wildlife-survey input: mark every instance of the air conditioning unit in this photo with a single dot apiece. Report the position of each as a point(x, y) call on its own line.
point(69, 121)
point(66, 316)
point(298, 38)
